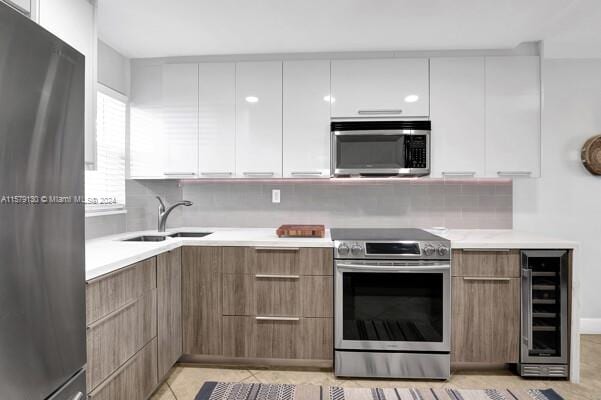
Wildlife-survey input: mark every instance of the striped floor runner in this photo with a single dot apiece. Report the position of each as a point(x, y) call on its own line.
point(260, 391)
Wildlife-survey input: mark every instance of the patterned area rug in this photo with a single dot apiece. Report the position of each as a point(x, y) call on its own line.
point(260, 391)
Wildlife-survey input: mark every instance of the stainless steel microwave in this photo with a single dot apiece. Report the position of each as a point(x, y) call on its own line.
point(380, 148)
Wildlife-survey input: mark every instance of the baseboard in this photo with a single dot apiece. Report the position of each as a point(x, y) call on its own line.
point(590, 326)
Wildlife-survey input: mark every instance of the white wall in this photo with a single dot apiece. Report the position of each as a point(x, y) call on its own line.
point(566, 201)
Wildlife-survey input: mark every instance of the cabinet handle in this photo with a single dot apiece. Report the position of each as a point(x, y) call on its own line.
point(277, 248)
point(277, 318)
point(250, 174)
point(514, 173)
point(112, 314)
point(459, 173)
point(78, 396)
point(269, 276)
point(306, 173)
point(379, 111)
point(485, 250)
point(485, 278)
point(217, 173)
point(179, 173)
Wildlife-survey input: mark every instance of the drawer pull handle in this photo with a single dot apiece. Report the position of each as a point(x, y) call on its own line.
point(491, 279)
point(485, 250)
point(180, 173)
point(514, 173)
point(379, 111)
point(277, 318)
point(217, 174)
point(112, 314)
point(277, 248)
point(459, 173)
point(258, 174)
point(306, 173)
point(269, 276)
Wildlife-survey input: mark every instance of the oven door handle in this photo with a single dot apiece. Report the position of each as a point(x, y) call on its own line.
point(394, 268)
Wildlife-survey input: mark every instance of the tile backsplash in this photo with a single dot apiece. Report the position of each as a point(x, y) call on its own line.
point(408, 203)
point(485, 204)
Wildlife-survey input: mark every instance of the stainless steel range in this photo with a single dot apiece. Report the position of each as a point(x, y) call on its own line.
point(392, 303)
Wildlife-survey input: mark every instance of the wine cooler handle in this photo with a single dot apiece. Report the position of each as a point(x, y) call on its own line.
point(527, 274)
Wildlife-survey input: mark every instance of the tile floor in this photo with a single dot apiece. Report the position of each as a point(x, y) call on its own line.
point(184, 381)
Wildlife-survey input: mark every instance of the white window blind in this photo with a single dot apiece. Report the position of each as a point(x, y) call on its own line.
point(105, 187)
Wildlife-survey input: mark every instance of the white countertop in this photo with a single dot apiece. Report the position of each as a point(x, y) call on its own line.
point(110, 253)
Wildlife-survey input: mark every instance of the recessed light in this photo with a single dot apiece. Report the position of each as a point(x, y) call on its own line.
point(329, 99)
point(412, 98)
point(252, 99)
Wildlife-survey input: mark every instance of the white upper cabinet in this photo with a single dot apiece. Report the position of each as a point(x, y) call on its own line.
point(457, 115)
point(180, 120)
point(396, 87)
point(513, 106)
point(306, 119)
point(217, 120)
point(259, 119)
point(74, 21)
point(146, 140)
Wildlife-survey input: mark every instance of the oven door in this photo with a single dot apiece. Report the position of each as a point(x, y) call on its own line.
point(393, 306)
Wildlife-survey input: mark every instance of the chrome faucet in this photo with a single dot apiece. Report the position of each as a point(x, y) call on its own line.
point(163, 214)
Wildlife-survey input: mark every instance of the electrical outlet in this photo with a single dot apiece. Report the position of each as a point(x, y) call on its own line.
point(275, 196)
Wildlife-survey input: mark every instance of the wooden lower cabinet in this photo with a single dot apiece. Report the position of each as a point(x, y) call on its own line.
point(485, 307)
point(258, 303)
point(134, 332)
point(135, 380)
point(169, 309)
point(112, 340)
point(302, 339)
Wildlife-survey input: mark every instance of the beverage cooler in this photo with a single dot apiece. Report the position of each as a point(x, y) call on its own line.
point(544, 344)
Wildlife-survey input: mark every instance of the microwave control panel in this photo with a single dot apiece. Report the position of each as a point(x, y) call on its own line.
point(416, 151)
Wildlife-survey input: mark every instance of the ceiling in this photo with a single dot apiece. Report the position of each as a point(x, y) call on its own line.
point(153, 28)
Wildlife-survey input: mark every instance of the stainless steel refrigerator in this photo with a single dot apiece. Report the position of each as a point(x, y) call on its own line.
point(42, 272)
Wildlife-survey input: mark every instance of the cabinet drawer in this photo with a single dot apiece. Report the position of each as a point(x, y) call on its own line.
point(109, 293)
point(294, 338)
point(136, 380)
point(278, 295)
point(273, 260)
point(112, 340)
point(486, 320)
point(486, 263)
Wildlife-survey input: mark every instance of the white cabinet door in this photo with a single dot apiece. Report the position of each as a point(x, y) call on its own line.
point(306, 138)
point(146, 145)
point(74, 21)
point(180, 120)
point(259, 119)
point(380, 88)
point(217, 120)
point(457, 115)
point(513, 106)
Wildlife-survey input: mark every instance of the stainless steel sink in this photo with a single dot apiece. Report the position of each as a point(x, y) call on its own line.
point(146, 238)
point(190, 234)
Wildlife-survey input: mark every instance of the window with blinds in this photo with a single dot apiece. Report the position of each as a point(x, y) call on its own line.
point(105, 187)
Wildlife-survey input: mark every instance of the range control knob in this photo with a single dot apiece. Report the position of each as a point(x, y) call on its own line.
point(343, 249)
point(429, 250)
point(443, 251)
point(356, 250)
